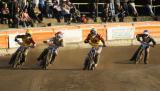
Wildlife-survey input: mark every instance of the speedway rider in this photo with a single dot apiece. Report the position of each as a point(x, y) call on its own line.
point(54, 42)
point(95, 40)
point(144, 38)
point(26, 43)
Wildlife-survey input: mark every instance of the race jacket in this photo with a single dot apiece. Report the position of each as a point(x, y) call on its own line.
point(147, 39)
point(26, 40)
point(95, 41)
point(57, 42)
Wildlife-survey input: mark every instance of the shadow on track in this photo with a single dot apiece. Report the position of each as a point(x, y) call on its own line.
point(6, 66)
point(124, 62)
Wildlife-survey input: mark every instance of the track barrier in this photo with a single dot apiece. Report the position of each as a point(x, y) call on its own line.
point(77, 33)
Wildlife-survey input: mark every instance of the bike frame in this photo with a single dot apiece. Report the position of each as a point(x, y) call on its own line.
point(89, 62)
point(48, 57)
point(50, 51)
point(141, 52)
point(92, 53)
point(19, 54)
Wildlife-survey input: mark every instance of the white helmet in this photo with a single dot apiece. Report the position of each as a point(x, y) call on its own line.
point(93, 31)
point(146, 32)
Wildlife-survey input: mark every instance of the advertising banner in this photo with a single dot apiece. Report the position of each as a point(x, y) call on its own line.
point(122, 32)
point(72, 35)
point(12, 43)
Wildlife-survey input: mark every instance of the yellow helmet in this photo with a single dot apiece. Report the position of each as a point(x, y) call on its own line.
point(29, 31)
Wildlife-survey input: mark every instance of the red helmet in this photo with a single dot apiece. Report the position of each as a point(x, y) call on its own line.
point(59, 34)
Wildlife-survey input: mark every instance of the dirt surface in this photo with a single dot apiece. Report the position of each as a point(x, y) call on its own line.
point(114, 72)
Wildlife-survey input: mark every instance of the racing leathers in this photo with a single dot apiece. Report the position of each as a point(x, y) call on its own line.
point(98, 42)
point(142, 38)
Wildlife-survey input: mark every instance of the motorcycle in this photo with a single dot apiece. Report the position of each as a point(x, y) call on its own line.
point(48, 57)
point(19, 57)
point(141, 53)
point(89, 62)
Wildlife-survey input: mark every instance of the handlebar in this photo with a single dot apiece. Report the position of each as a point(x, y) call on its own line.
point(48, 43)
point(30, 46)
point(144, 43)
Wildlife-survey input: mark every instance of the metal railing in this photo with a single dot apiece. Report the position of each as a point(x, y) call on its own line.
point(141, 6)
point(78, 4)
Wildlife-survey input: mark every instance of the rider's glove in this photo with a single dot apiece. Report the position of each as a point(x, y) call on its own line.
point(86, 41)
point(44, 41)
point(104, 45)
point(16, 40)
point(33, 46)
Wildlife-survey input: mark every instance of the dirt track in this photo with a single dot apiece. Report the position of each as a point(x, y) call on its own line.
point(114, 73)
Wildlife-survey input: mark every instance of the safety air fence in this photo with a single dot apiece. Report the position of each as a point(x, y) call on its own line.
point(114, 33)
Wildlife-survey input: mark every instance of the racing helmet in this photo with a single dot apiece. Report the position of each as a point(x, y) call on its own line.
point(93, 32)
point(59, 34)
point(146, 32)
point(29, 31)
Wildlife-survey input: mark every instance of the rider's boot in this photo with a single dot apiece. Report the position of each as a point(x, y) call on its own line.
point(135, 54)
point(85, 64)
point(133, 57)
point(41, 63)
point(136, 62)
point(146, 62)
point(93, 67)
point(84, 68)
point(38, 59)
point(12, 59)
